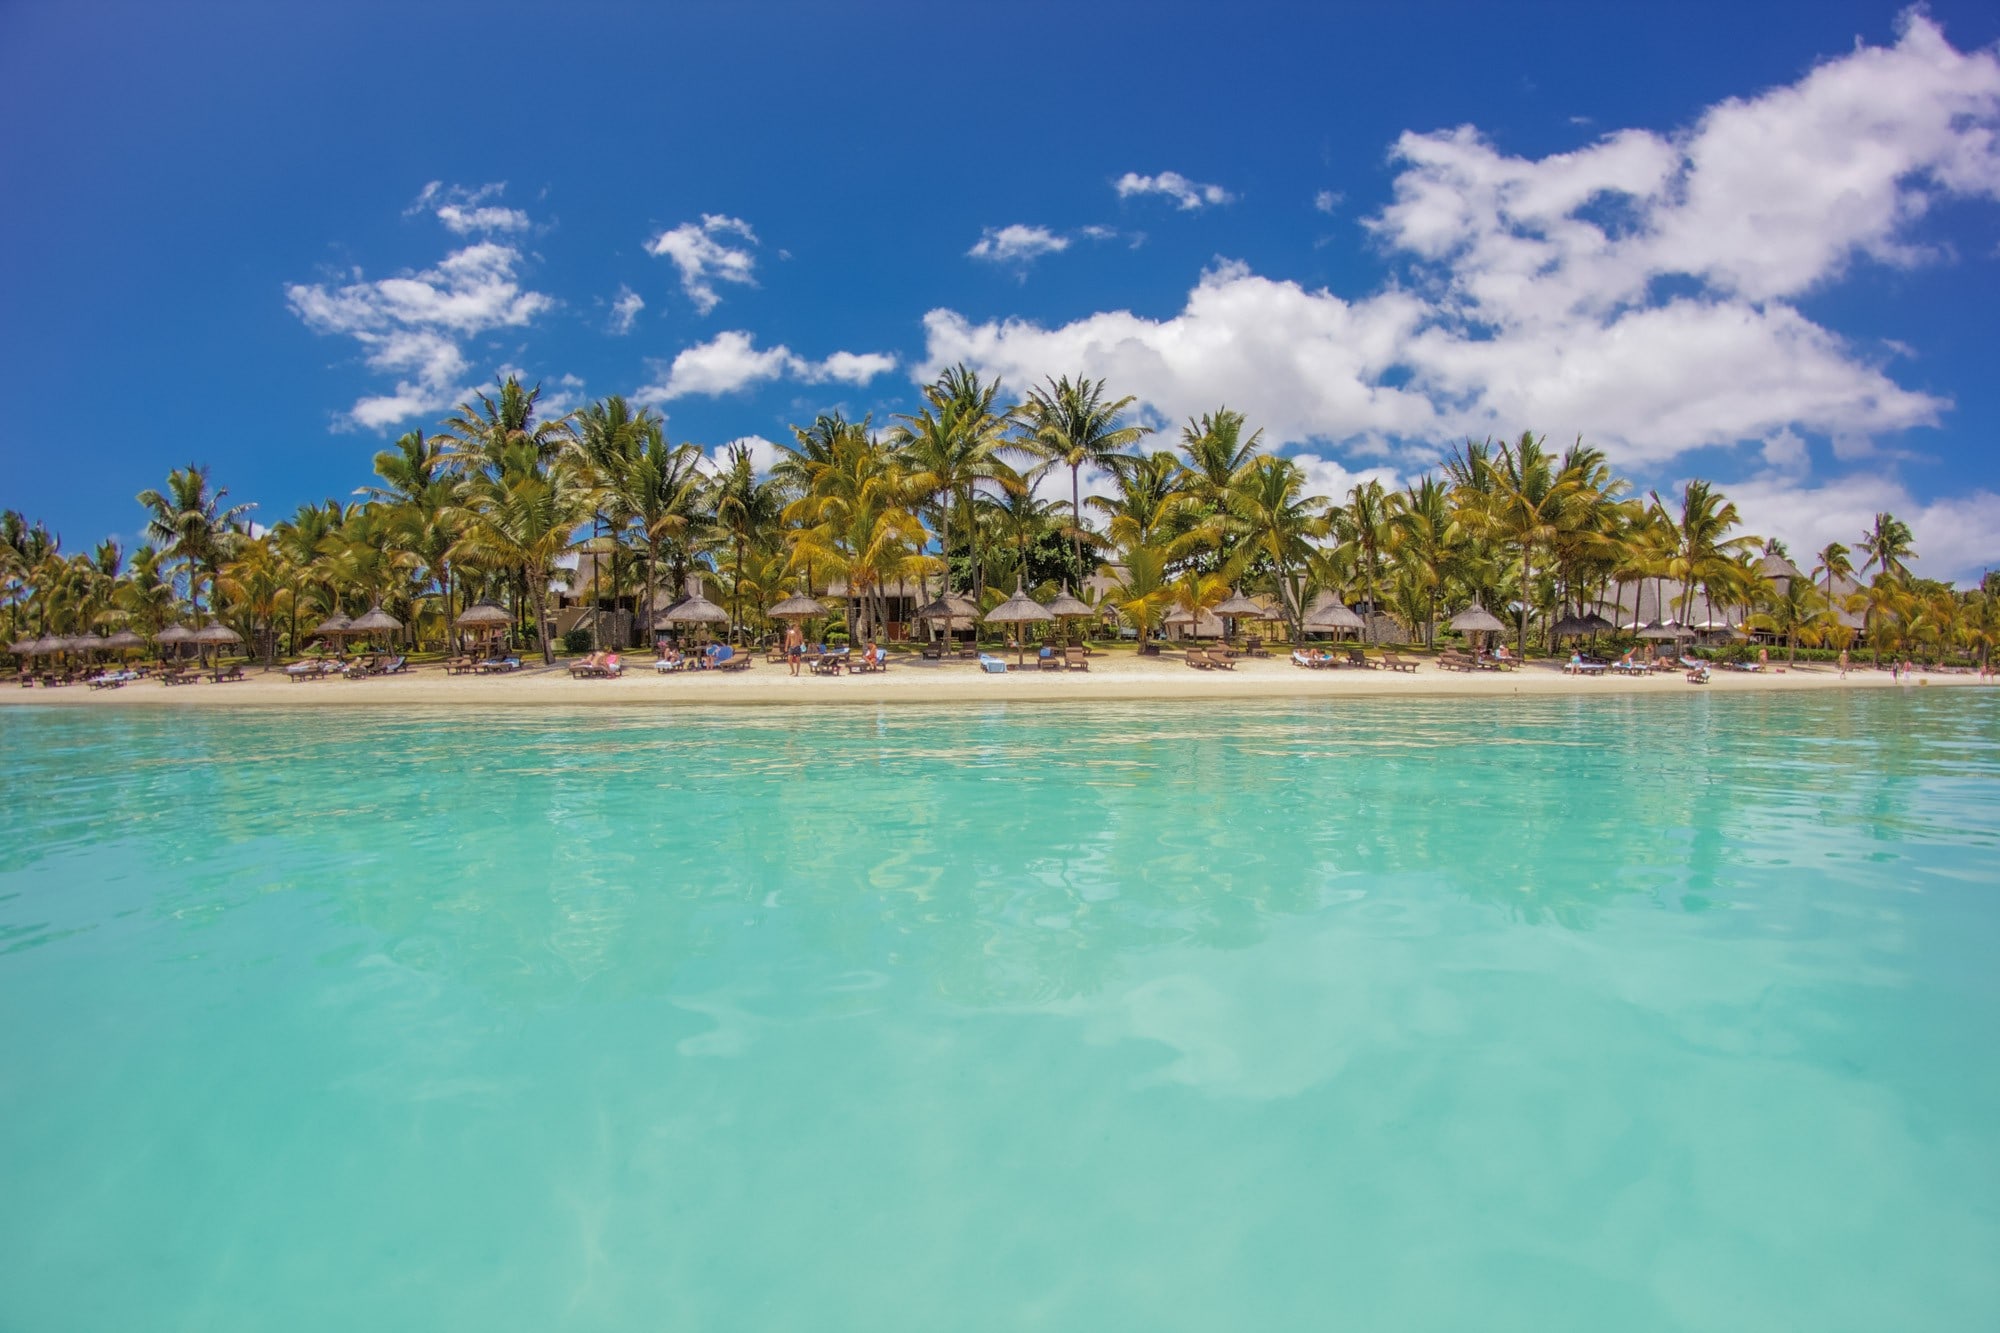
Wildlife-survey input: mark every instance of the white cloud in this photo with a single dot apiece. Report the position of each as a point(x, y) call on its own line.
point(764, 455)
point(731, 361)
point(465, 210)
point(1957, 537)
point(1634, 291)
point(1189, 195)
point(1326, 201)
point(1017, 244)
point(625, 310)
point(704, 256)
point(1096, 232)
point(413, 325)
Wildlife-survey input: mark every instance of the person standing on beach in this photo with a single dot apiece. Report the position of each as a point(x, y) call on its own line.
point(795, 646)
point(1843, 664)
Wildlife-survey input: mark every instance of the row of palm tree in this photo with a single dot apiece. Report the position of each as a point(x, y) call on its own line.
point(949, 499)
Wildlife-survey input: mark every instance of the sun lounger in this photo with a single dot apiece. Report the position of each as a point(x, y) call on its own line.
point(496, 665)
point(458, 666)
point(1196, 658)
point(224, 675)
point(1254, 647)
point(991, 664)
point(668, 665)
point(1358, 658)
point(1221, 657)
point(1074, 659)
point(1698, 674)
point(1395, 663)
point(313, 669)
point(1456, 662)
point(178, 676)
point(111, 680)
point(1047, 660)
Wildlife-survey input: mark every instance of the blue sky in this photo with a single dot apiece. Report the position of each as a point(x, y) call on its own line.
point(1755, 243)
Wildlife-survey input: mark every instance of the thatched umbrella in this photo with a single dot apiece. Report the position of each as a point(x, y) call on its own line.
point(375, 621)
point(1476, 619)
point(1239, 604)
point(797, 607)
point(485, 620)
point(1655, 630)
point(174, 636)
point(335, 626)
point(1068, 607)
point(217, 633)
point(22, 647)
point(1018, 610)
point(1330, 613)
point(123, 641)
point(49, 645)
point(1571, 627)
point(1598, 624)
point(694, 609)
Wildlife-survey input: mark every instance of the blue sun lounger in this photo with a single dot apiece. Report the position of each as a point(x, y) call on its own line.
point(990, 663)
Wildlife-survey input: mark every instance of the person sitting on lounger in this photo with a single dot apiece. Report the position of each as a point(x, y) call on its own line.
point(1575, 667)
point(873, 655)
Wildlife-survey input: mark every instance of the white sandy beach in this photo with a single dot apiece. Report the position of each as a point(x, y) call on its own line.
point(1112, 676)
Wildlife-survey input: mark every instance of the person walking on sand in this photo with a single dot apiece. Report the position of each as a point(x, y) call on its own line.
point(795, 646)
point(1843, 664)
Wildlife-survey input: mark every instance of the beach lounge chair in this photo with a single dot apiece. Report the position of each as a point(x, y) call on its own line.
point(1047, 660)
point(992, 665)
point(1253, 646)
point(392, 666)
point(1224, 658)
point(1074, 659)
point(223, 675)
point(111, 680)
point(1395, 663)
point(933, 651)
point(1455, 662)
point(457, 666)
point(1698, 674)
point(1302, 658)
point(593, 665)
point(1357, 658)
point(1198, 659)
point(497, 665)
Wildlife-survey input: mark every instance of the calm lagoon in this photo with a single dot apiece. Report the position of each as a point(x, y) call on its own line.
point(1577, 1014)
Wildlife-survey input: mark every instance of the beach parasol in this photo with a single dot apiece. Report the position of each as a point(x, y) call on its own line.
point(1332, 613)
point(22, 647)
point(797, 607)
point(123, 640)
point(483, 617)
point(1598, 624)
point(335, 626)
point(1476, 619)
point(1571, 627)
point(1239, 605)
point(691, 610)
point(1067, 607)
point(1018, 610)
point(174, 636)
point(376, 621)
point(1655, 630)
point(217, 633)
point(48, 646)
point(85, 643)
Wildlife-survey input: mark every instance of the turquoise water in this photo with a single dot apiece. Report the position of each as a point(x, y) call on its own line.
point(1586, 1014)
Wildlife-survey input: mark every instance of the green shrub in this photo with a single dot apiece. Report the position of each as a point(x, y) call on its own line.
point(577, 640)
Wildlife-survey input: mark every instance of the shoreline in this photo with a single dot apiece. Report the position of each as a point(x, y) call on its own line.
point(1112, 678)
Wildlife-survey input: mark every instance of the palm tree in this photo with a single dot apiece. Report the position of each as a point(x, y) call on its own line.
point(1888, 546)
point(657, 490)
point(950, 447)
point(420, 493)
point(484, 434)
point(1427, 544)
point(744, 507)
point(1522, 498)
point(1702, 553)
point(192, 525)
point(521, 520)
point(1797, 612)
point(1068, 423)
point(1277, 521)
point(1362, 526)
point(1834, 563)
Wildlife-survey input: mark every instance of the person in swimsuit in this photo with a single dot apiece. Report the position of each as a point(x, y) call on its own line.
point(795, 646)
